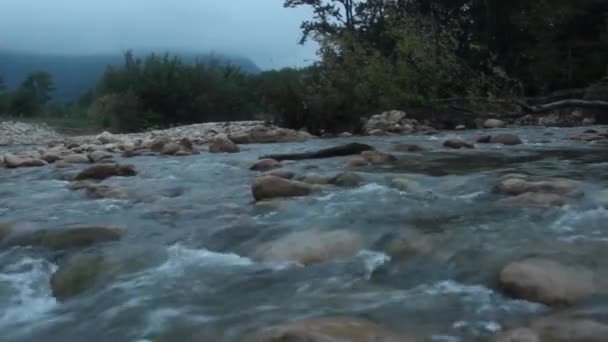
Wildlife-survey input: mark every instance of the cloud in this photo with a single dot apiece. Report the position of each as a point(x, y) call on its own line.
point(259, 29)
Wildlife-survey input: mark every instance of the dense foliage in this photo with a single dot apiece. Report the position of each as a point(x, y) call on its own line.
point(373, 55)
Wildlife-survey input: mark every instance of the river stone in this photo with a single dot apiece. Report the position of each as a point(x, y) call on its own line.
point(76, 275)
point(66, 238)
point(535, 199)
point(347, 180)
point(170, 149)
point(345, 135)
point(311, 247)
point(377, 157)
point(265, 165)
point(457, 144)
point(407, 148)
point(97, 156)
point(404, 184)
point(221, 144)
point(519, 335)
point(460, 127)
point(11, 161)
point(506, 139)
point(263, 135)
point(559, 328)
point(97, 191)
point(338, 329)
point(357, 162)
point(518, 186)
point(51, 157)
point(158, 143)
point(547, 281)
point(484, 139)
point(494, 123)
point(76, 158)
point(107, 138)
point(104, 171)
point(377, 132)
point(287, 174)
point(315, 178)
point(266, 187)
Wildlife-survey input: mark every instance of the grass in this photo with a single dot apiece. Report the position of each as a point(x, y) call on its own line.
point(77, 125)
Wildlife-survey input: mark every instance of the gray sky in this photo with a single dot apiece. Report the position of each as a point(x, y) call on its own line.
point(259, 29)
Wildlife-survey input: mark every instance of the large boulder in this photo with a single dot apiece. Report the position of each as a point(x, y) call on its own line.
point(104, 171)
point(311, 247)
point(76, 275)
point(263, 134)
point(457, 144)
point(11, 161)
point(265, 165)
point(338, 329)
point(494, 123)
point(266, 187)
point(518, 186)
point(547, 281)
point(221, 144)
point(377, 158)
point(76, 158)
point(66, 238)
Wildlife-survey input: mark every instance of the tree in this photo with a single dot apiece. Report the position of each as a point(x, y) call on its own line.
point(39, 85)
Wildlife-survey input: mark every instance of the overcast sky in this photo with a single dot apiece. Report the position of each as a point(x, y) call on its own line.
point(259, 29)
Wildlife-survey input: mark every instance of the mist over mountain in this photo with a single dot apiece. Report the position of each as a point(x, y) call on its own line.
point(76, 74)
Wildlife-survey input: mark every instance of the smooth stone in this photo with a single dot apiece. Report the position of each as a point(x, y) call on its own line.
point(51, 157)
point(266, 187)
point(107, 138)
point(347, 180)
point(104, 171)
point(76, 275)
point(311, 247)
point(357, 162)
point(159, 143)
point(287, 174)
point(336, 151)
point(506, 139)
point(377, 132)
point(221, 144)
point(407, 148)
point(265, 165)
point(11, 161)
point(377, 157)
point(67, 238)
point(494, 123)
point(457, 144)
point(170, 149)
point(97, 156)
point(460, 127)
point(518, 186)
point(404, 184)
point(76, 159)
point(519, 335)
point(535, 199)
point(559, 328)
point(547, 281)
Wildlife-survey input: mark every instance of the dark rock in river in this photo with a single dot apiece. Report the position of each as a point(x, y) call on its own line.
point(337, 151)
point(66, 238)
point(104, 171)
point(535, 199)
point(457, 144)
point(265, 165)
point(76, 275)
point(347, 179)
point(407, 148)
point(378, 158)
point(266, 187)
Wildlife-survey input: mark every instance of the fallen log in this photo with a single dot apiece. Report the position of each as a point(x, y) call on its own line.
point(337, 151)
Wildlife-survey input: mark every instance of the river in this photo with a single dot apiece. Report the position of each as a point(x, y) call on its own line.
point(185, 270)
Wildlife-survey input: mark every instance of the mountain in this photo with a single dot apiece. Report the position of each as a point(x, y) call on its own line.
point(74, 75)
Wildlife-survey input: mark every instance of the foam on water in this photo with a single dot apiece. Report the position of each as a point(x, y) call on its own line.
point(29, 295)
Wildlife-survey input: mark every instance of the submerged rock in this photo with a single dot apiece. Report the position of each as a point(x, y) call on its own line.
point(76, 275)
point(518, 186)
point(265, 165)
point(311, 247)
point(404, 184)
point(457, 144)
point(407, 148)
point(66, 238)
point(221, 144)
point(104, 171)
point(338, 329)
point(266, 187)
point(506, 139)
point(336, 151)
point(357, 162)
point(377, 157)
point(347, 179)
point(535, 199)
point(287, 174)
point(519, 335)
point(547, 281)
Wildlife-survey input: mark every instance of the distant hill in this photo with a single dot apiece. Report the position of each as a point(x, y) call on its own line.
point(74, 75)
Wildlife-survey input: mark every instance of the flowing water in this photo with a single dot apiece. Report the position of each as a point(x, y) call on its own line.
point(184, 270)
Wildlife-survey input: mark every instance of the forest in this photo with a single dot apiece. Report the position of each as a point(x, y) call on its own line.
point(373, 55)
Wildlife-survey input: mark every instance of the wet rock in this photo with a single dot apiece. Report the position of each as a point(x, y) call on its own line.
point(311, 247)
point(535, 199)
point(67, 238)
point(494, 123)
point(518, 186)
point(97, 191)
point(345, 135)
point(407, 148)
point(339, 329)
point(404, 184)
point(221, 144)
point(519, 335)
point(265, 165)
point(97, 156)
point(391, 121)
point(51, 157)
point(104, 171)
point(287, 174)
point(336, 151)
point(506, 139)
point(159, 143)
point(131, 152)
point(547, 281)
point(378, 158)
point(11, 161)
point(186, 144)
point(457, 144)
point(484, 139)
point(76, 159)
point(316, 179)
point(400, 246)
point(107, 138)
point(559, 328)
point(76, 275)
point(170, 149)
point(347, 179)
point(460, 127)
point(5, 230)
point(263, 135)
point(266, 187)
point(357, 162)
point(377, 132)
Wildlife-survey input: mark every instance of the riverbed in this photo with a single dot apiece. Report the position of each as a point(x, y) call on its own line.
point(186, 268)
